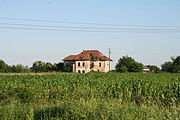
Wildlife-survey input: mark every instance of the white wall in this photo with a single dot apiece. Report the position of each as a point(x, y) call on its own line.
point(87, 67)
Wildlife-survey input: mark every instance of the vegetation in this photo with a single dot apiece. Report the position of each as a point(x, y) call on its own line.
point(172, 66)
point(125, 64)
point(4, 68)
point(153, 68)
point(114, 96)
point(38, 66)
point(128, 64)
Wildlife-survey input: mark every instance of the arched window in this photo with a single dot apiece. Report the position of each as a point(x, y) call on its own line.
point(83, 71)
point(79, 64)
point(79, 71)
point(83, 64)
point(99, 64)
point(92, 65)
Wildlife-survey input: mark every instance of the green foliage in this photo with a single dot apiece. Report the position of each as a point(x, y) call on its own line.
point(39, 66)
point(68, 68)
point(121, 68)
point(22, 95)
point(3, 67)
point(173, 67)
point(167, 67)
point(49, 67)
point(60, 67)
point(128, 64)
point(153, 68)
point(90, 96)
point(176, 65)
point(19, 69)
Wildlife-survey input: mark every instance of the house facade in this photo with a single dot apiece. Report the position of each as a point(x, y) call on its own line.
point(89, 60)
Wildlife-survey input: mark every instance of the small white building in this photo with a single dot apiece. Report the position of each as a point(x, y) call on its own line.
point(89, 60)
point(146, 69)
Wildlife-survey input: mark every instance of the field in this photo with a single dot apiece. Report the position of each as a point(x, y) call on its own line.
point(102, 96)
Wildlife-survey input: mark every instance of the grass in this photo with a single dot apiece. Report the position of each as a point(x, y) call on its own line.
point(102, 96)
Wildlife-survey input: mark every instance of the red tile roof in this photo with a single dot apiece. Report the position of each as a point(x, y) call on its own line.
point(87, 55)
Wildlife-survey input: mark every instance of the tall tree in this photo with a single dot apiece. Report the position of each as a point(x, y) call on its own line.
point(128, 64)
point(176, 65)
point(19, 69)
point(172, 66)
point(3, 67)
point(60, 67)
point(167, 67)
point(39, 66)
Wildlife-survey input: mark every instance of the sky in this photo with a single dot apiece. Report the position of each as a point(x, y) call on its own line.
point(24, 46)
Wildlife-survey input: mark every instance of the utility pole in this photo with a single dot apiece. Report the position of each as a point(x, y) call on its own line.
point(109, 59)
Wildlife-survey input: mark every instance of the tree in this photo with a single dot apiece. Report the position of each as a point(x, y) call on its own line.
point(3, 67)
point(166, 67)
point(153, 68)
point(60, 67)
point(128, 64)
point(19, 69)
point(136, 67)
point(68, 68)
point(176, 61)
point(172, 66)
point(38, 66)
point(176, 65)
point(121, 68)
point(49, 67)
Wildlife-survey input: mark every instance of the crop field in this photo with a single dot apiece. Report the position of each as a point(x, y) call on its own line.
point(101, 96)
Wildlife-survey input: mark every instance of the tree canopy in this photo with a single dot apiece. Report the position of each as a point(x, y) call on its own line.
point(40, 66)
point(153, 68)
point(3, 67)
point(125, 64)
point(172, 66)
point(128, 64)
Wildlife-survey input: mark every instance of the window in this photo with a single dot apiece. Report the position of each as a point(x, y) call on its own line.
point(92, 65)
point(98, 70)
point(99, 64)
point(79, 64)
point(83, 71)
point(79, 71)
point(83, 64)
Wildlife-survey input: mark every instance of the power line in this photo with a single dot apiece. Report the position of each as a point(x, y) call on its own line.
point(84, 23)
point(81, 30)
point(115, 29)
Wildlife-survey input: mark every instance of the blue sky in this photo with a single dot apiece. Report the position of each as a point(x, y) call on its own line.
point(27, 46)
